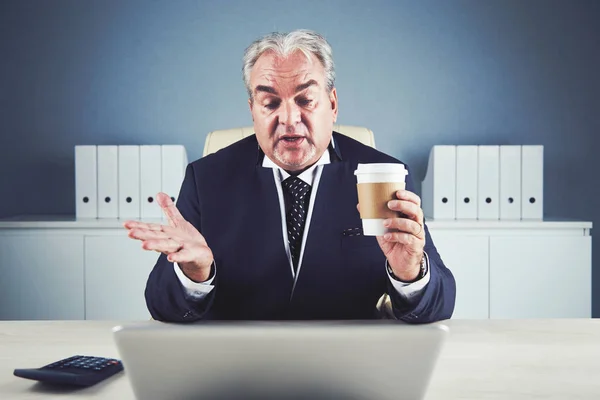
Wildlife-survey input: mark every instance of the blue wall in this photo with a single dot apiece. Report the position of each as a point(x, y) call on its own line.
point(417, 73)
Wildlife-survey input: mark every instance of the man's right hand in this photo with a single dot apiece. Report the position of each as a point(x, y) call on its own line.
point(180, 241)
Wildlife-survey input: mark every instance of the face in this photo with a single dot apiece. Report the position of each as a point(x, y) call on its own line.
point(292, 110)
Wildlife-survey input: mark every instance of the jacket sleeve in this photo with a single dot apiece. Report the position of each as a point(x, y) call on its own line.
point(165, 296)
point(436, 301)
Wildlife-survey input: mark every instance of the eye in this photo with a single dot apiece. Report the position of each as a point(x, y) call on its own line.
point(272, 105)
point(304, 102)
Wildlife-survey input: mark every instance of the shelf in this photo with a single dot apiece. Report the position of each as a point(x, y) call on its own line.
point(70, 222)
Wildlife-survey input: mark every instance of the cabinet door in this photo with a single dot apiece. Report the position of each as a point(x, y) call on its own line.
point(467, 259)
point(540, 277)
point(41, 276)
point(116, 271)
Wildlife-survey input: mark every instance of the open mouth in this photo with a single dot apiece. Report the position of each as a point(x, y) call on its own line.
point(292, 139)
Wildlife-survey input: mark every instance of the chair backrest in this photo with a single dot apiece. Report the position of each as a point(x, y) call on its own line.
point(217, 140)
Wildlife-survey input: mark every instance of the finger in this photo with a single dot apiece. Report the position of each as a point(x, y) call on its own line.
point(408, 208)
point(154, 227)
point(162, 245)
point(403, 238)
point(184, 231)
point(182, 256)
point(169, 209)
point(358, 207)
point(145, 234)
point(405, 225)
point(143, 225)
point(130, 224)
point(197, 254)
point(408, 196)
point(175, 233)
point(135, 224)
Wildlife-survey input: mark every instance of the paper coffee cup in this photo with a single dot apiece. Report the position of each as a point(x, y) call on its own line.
point(377, 184)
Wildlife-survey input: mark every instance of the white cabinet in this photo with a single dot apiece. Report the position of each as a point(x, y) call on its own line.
point(540, 277)
point(61, 268)
point(468, 258)
point(116, 271)
point(55, 268)
point(518, 269)
point(41, 275)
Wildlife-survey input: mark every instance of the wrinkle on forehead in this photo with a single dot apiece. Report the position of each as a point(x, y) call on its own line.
point(273, 77)
point(296, 66)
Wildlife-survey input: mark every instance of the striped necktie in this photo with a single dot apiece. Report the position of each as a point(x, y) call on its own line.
point(296, 198)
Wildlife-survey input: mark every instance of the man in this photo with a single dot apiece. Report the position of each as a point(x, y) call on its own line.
point(268, 228)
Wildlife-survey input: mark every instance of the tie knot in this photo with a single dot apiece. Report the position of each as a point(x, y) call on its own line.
point(296, 187)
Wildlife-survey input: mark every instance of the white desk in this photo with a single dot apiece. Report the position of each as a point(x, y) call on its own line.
point(487, 359)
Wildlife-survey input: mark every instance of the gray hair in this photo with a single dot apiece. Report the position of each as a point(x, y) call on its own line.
point(285, 44)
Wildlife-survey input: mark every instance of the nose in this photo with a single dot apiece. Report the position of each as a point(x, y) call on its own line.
point(289, 114)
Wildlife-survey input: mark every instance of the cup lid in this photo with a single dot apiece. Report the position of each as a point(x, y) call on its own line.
point(381, 168)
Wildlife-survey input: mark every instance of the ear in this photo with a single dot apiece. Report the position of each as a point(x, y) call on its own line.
point(251, 104)
point(333, 99)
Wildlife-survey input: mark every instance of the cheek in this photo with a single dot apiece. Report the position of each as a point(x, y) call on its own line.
point(320, 123)
point(260, 117)
point(264, 124)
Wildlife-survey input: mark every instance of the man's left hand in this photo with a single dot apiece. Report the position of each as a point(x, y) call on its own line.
point(404, 248)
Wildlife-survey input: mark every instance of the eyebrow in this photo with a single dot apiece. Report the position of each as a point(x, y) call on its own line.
point(308, 84)
point(299, 88)
point(267, 89)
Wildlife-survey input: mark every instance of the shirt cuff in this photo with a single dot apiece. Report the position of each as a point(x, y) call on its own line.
point(410, 290)
point(195, 290)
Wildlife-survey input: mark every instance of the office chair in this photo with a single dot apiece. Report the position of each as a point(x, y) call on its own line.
point(217, 140)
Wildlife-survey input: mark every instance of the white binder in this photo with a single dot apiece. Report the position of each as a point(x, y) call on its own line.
point(86, 200)
point(510, 182)
point(150, 181)
point(108, 182)
point(129, 182)
point(466, 182)
point(439, 186)
point(488, 183)
point(532, 182)
point(174, 162)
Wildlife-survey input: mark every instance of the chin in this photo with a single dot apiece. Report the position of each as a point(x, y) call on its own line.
point(295, 163)
point(292, 165)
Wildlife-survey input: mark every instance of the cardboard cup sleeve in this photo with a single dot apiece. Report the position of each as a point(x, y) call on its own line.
point(373, 199)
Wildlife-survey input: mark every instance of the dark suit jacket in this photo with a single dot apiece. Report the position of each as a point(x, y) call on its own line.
point(232, 200)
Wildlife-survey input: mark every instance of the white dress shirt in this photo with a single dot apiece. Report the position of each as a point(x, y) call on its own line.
point(312, 176)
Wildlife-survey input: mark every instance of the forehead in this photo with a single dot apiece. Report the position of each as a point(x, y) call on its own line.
point(272, 68)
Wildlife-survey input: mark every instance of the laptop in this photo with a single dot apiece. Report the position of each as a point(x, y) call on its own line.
point(339, 360)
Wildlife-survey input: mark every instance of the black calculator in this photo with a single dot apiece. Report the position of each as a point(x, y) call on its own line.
point(76, 370)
